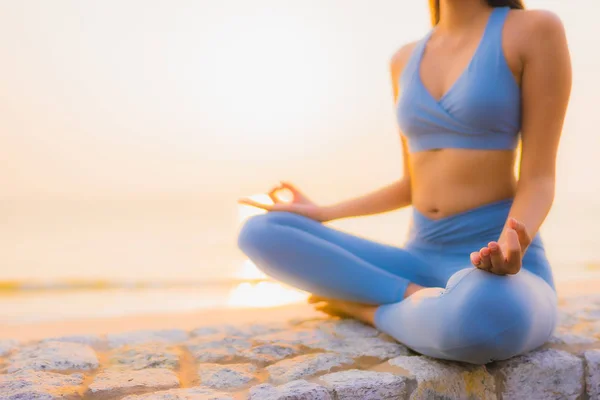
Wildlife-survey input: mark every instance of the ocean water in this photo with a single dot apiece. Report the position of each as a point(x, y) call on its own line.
point(124, 149)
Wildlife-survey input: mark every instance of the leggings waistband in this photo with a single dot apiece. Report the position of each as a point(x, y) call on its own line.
point(477, 225)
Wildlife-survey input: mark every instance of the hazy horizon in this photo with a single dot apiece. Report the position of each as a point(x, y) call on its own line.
point(130, 128)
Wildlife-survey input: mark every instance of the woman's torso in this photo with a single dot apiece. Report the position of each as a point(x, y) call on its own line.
point(447, 180)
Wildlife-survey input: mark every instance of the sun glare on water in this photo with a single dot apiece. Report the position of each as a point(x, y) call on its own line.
point(264, 293)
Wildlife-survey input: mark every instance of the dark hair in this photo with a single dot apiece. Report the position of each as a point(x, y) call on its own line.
point(434, 7)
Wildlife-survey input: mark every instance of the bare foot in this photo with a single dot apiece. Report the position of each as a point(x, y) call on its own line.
point(342, 308)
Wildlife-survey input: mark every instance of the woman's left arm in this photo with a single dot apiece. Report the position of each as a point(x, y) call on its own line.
point(545, 88)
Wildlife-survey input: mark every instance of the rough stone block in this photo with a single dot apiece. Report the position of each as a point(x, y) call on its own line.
point(295, 390)
point(306, 366)
point(544, 374)
point(218, 348)
point(118, 382)
point(155, 355)
point(592, 373)
point(53, 356)
point(90, 340)
point(7, 346)
point(197, 393)
point(228, 376)
point(245, 331)
point(362, 347)
point(266, 354)
point(29, 385)
point(366, 385)
point(448, 380)
point(146, 336)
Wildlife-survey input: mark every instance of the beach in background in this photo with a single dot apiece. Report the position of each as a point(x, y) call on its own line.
point(130, 129)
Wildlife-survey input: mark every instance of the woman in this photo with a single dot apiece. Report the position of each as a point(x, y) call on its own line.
point(487, 75)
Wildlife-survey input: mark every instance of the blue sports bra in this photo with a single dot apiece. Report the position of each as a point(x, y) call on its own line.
point(481, 110)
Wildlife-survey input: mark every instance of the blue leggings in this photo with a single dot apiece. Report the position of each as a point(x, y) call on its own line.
point(478, 317)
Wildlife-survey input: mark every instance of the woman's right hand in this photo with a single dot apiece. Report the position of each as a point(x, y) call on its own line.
point(300, 203)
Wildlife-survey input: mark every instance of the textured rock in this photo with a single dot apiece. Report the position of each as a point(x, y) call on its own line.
point(90, 340)
point(266, 354)
point(592, 373)
point(295, 390)
point(119, 382)
point(29, 385)
point(439, 379)
point(306, 366)
point(366, 385)
point(348, 328)
point(7, 346)
point(544, 374)
point(226, 376)
point(303, 336)
point(217, 348)
point(362, 347)
point(197, 393)
point(571, 339)
point(156, 355)
point(49, 356)
point(240, 331)
point(146, 336)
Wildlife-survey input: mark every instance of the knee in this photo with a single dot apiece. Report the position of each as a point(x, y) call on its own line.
point(498, 317)
point(261, 231)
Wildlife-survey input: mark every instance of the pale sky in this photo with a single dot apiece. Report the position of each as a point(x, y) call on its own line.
point(211, 100)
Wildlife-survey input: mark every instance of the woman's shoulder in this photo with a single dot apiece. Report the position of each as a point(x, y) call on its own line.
point(531, 26)
point(400, 58)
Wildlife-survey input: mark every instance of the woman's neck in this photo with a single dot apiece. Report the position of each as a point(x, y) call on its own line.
point(456, 14)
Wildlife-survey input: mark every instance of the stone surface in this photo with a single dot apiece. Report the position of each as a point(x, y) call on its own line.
point(266, 354)
point(298, 336)
point(348, 328)
point(217, 348)
point(154, 355)
point(53, 356)
point(592, 373)
point(306, 366)
point(90, 340)
point(7, 346)
point(544, 374)
point(440, 379)
point(197, 393)
point(241, 331)
point(29, 385)
point(366, 385)
point(362, 347)
point(295, 390)
point(119, 382)
point(147, 336)
point(228, 376)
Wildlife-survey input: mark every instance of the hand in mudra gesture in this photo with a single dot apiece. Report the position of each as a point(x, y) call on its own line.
point(504, 257)
point(299, 204)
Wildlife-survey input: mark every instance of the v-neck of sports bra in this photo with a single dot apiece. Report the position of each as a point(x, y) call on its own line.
point(464, 71)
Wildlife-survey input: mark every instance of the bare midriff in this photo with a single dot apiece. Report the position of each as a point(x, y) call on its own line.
point(450, 181)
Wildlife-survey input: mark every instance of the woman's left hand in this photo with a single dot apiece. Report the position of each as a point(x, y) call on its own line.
point(505, 257)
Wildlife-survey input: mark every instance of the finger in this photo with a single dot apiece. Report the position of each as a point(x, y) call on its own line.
point(519, 227)
point(513, 256)
point(486, 261)
point(254, 203)
point(273, 194)
point(496, 256)
point(475, 258)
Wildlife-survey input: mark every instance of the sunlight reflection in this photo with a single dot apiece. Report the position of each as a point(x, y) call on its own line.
point(250, 272)
point(264, 294)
